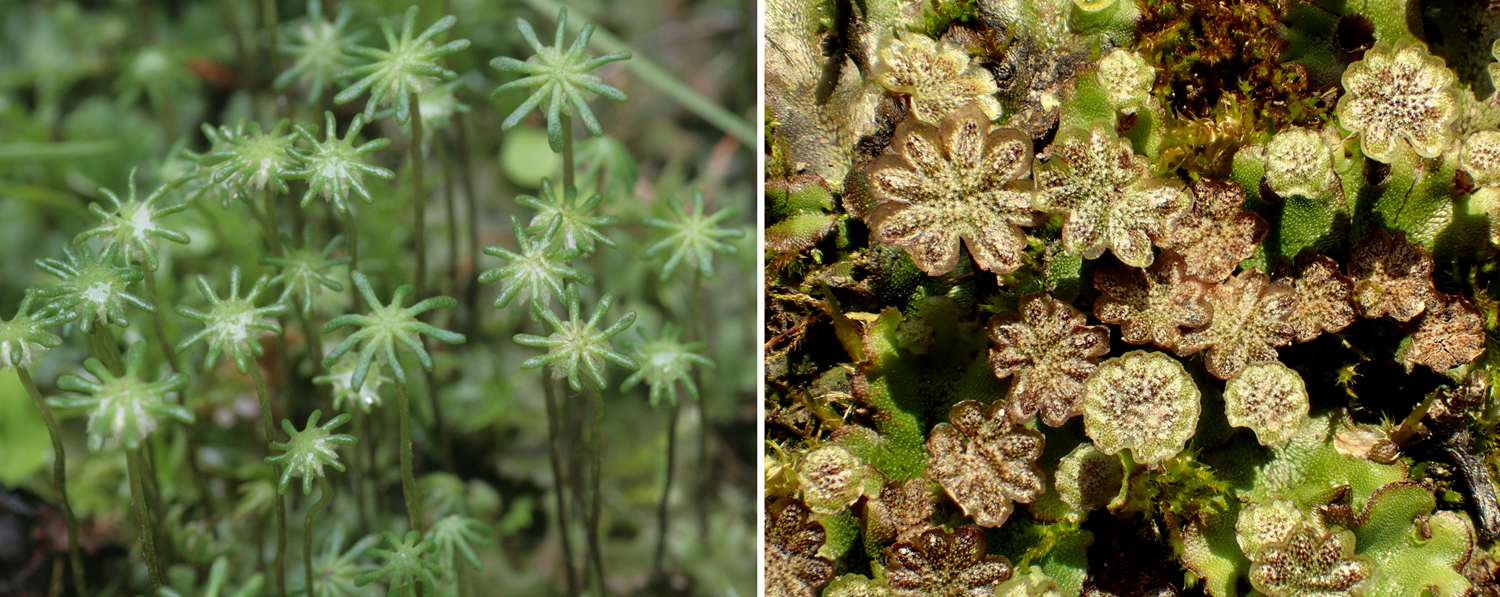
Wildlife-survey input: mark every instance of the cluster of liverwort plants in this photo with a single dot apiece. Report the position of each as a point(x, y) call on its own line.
point(266, 369)
point(1131, 297)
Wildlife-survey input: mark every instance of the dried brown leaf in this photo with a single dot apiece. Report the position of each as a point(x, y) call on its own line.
point(986, 461)
point(1048, 352)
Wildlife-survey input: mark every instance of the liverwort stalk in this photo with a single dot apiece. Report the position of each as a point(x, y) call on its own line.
point(22, 341)
point(379, 331)
point(234, 325)
point(304, 455)
point(125, 410)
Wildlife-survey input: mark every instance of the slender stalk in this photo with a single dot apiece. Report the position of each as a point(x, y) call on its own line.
point(596, 503)
point(408, 481)
point(705, 472)
point(359, 463)
point(161, 333)
point(267, 420)
point(471, 285)
point(268, 25)
point(138, 498)
point(273, 229)
point(450, 205)
point(314, 340)
point(106, 350)
point(59, 478)
point(462, 569)
point(559, 481)
point(154, 298)
point(418, 164)
point(666, 491)
point(308, 534)
point(419, 218)
point(353, 231)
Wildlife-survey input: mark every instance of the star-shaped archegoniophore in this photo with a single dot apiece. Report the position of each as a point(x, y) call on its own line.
point(318, 46)
point(665, 361)
point(559, 78)
point(1249, 322)
point(696, 235)
point(341, 377)
point(1215, 235)
point(938, 76)
point(458, 534)
point(954, 181)
point(92, 286)
point(335, 166)
point(942, 563)
point(406, 564)
point(438, 106)
point(246, 157)
point(576, 229)
point(124, 410)
point(133, 223)
point(304, 272)
point(24, 338)
point(1399, 94)
point(1153, 304)
point(409, 66)
point(230, 324)
point(537, 272)
point(578, 349)
point(1048, 352)
point(384, 326)
point(1104, 191)
point(306, 451)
